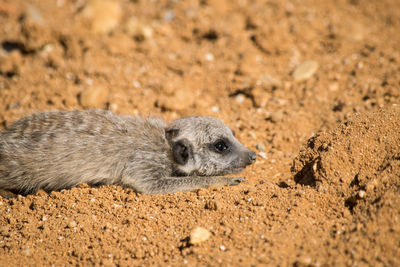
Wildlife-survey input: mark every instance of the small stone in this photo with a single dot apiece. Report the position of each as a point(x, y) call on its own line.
point(263, 155)
point(114, 107)
point(95, 96)
point(222, 247)
point(361, 194)
point(305, 70)
point(240, 98)
point(215, 109)
point(136, 84)
point(260, 147)
point(211, 205)
point(104, 15)
point(72, 224)
point(276, 116)
point(198, 235)
point(137, 29)
point(209, 57)
point(305, 261)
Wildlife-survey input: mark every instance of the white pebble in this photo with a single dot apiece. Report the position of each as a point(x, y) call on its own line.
point(305, 70)
point(72, 224)
point(263, 155)
point(136, 84)
point(198, 235)
point(215, 109)
point(209, 57)
point(240, 98)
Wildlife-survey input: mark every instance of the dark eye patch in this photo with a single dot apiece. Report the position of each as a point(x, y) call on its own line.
point(222, 146)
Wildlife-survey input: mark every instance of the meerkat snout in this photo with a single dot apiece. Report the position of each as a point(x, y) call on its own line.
point(252, 157)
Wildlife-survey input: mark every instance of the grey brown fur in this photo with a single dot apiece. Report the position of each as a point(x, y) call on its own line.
point(57, 150)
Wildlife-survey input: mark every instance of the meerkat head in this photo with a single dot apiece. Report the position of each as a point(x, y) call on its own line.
point(205, 146)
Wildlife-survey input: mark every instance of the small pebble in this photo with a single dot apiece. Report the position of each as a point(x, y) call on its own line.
point(94, 96)
point(104, 15)
point(114, 107)
point(198, 235)
point(305, 70)
point(263, 155)
point(260, 147)
point(134, 27)
point(72, 224)
point(209, 57)
point(137, 84)
point(215, 109)
point(361, 194)
point(222, 247)
point(240, 98)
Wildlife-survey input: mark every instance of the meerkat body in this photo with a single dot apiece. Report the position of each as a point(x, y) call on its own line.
point(56, 150)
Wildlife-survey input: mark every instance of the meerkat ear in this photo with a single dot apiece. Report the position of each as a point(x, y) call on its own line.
point(171, 133)
point(182, 150)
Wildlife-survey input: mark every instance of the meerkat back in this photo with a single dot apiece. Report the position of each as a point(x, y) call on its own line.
point(56, 150)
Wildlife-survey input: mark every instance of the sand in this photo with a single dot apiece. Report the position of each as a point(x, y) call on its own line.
point(312, 86)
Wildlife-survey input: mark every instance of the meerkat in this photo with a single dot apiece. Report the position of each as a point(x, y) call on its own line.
point(61, 149)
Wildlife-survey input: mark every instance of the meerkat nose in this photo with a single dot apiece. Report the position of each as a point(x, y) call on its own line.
point(252, 156)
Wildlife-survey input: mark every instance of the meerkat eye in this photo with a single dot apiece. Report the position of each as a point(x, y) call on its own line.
point(221, 146)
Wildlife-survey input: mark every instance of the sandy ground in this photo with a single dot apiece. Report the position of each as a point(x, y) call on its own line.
point(312, 86)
